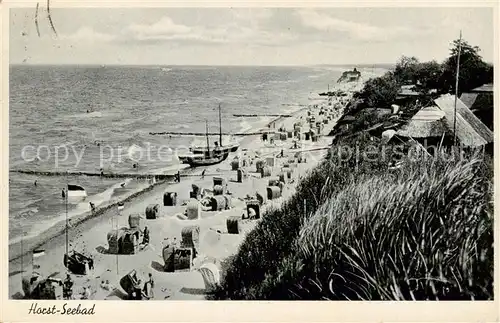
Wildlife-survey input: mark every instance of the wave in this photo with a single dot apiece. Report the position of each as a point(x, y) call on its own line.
point(181, 126)
point(94, 114)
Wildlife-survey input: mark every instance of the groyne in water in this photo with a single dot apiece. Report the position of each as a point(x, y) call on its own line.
point(160, 177)
point(93, 174)
point(261, 115)
point(174, 133)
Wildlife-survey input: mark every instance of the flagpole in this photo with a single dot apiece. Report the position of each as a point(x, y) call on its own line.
point(220, 127)
point(116, 226)
point(456, 91)
point(22, 255)
point(66, 204)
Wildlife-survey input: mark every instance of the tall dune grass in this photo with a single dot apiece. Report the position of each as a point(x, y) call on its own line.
point(420, 232)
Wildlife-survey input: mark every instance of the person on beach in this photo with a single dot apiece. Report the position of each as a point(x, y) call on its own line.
point(166, 242)
point(85, 293)
point(148, 288)
point(68, 287)
point(63, 193)
point(34, 183)
point(137, 293)
point(145, 239)
point(203, 174)
point(92, 207)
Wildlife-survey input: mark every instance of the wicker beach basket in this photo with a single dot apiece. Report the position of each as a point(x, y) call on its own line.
point(218, 203)
point(211, 276)
point(134, 221)
point(218, 190)
point(255, 206)
point(273, 192)
point(259, 164)
point(241, 175)
point(273, 181)
point(262, 198)
point(265, 171)
point(168, 258)
point(219, 181)
point(114, 238)
point(270, 161)
point(233, 224)
point(190, 236)
point(193, 209)
point(170, 199)
point(195, 193)
point(235, 164)
point(130, 241)
point(282, 178)
point(282, 186)
point(152, 211)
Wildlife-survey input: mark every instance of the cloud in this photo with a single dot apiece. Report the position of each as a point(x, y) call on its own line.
point(360, 31)
point(88, 34)
point(166, 30)
point(165, 26)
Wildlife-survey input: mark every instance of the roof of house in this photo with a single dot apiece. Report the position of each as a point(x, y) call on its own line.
point(408, 90)
point(484, 88)
point(347, 118)
point(478, 100)
point(379, 111)
point(427, 122)
point(469, 129)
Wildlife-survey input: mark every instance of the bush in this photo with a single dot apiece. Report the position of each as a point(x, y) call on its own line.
point(421, 232)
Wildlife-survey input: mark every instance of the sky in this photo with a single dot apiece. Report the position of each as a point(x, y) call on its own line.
point(244, 36)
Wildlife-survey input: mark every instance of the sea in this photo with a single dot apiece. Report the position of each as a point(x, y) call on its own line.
point(88, 118)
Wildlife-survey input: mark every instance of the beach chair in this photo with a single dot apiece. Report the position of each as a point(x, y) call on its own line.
point(211, 276)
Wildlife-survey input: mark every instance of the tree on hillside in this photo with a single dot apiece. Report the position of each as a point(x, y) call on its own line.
point(474, 71)
point(406, 70)
point(380, 92)
point(428, 76)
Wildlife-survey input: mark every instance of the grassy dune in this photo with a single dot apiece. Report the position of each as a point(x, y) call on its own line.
point(423, 231)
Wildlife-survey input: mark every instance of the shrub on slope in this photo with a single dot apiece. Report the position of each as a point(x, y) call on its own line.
point(273, 238)
point(424, 233)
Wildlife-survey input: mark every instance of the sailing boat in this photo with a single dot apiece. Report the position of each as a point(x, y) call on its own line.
point(205, 156)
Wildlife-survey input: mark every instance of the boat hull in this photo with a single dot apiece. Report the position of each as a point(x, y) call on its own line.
point(197, 161)
point(219, 150)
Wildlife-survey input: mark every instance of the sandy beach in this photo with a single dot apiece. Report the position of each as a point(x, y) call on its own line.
point(88, 234)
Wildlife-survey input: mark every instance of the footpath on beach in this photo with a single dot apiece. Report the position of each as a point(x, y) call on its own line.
point(193, 224)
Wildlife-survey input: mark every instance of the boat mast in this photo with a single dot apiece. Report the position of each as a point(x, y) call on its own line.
point(220, 127)
point(206, 128)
